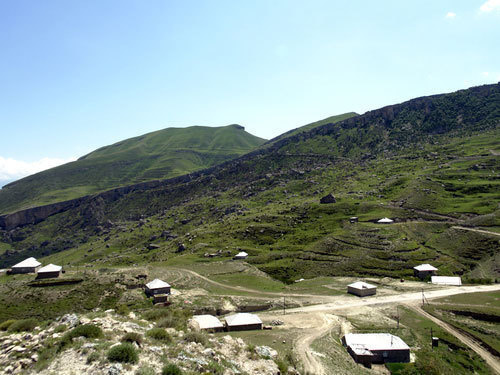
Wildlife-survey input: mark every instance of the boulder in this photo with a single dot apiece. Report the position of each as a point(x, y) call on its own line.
point(328, 199)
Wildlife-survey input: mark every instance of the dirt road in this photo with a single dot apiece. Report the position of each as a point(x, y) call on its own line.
point(476, 230)
point(322, 326)
point(490, 359)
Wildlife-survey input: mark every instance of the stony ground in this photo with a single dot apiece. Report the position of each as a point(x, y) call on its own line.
point(20, 353)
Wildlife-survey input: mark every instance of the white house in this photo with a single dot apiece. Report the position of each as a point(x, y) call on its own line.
point(157, 286)
point(385, 220)
point(243, 322)
point(368, 348)
point(49, 271)
point(29, 265)
point(207, 322)
point(424, 270)
point(361, 289)
point(240, 255)
point(446, 280)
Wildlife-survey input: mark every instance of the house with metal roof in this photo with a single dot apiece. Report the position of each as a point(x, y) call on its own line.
point(446, 280)
point(207, 323)
point(361, 289)
point(385, 220)
point(49, 271)
point(157, 286)
point(242, 322)
point(29, 265)
point(424, 270)
point(240, 255)
point(368, 348)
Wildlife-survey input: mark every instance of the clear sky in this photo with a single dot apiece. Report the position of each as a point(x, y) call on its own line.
point(77, 75)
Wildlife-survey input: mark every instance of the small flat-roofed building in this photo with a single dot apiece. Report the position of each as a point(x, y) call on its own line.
point(243, 322)
point(368, 348)
point(207, 323)
point(29, 265)
point(240, 255)
point(157, 286)
point(446, 280)
point(353, 219)
point(361, 289)
point(49, 271)
point(385, 220)
point(424, 270)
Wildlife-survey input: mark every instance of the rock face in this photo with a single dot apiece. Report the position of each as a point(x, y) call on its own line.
point(328, 199)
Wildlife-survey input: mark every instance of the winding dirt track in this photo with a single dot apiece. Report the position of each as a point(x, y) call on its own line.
point(490, 359)
point(321, 325)
point(477, 230)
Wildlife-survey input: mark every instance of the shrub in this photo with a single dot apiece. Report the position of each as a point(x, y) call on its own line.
point(145, 371)
point(4, 326)
point(171, 369)
point(132, 337)
point(282, 366)
point(84, 330)
point(123, 353)
point(122, 310)
point(23, 325)
point(94, 356)
point(60, 328)
point(197, 337)
point(159, 334)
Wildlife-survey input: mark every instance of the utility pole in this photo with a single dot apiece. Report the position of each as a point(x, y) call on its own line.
point(284, 306)
point(397, 309)
point(432, 346)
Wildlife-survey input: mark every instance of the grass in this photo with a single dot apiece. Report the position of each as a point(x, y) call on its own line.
point(162, 154)
point(125, 353)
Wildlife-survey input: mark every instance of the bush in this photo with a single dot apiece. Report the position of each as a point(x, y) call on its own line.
point(282, 366)
point(122, 310)
point(132, 337)
point(94, 356)
point(145, 371)
point(85, 330)
point(171, 369)
point(123, 353)
point(4, 326)
point(23, 325)
point(197, 337)
point(159, 334)
point(60, 328)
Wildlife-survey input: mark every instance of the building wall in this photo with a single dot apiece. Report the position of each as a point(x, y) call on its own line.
point(25, 269)
point(248, 327)
point(362, 292)
point(48, 275)
point(423, 274)
point(152, 292)
point(382, 356)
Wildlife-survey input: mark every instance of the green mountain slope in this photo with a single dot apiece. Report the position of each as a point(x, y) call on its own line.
point(430, 163)
point(302, 129)
point(161, 154)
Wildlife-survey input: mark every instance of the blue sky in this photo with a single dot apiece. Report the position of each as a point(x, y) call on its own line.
point(77, 75)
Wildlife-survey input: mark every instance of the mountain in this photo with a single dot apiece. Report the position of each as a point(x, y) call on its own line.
point(312, 125)
point(161, 154)
point(430, 163)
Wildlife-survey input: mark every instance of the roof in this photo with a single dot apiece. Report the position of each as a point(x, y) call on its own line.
point(385, 220)
point(446, 280)
point(29, 262)
point(50, 268)
point(241, 254)
point(374, 341)
point(157, 284)
point(242, 319)
point(207, 321)
point(425, 267)
point(361, 285)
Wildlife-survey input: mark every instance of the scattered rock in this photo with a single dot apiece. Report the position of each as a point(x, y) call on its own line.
point(266, 352)
point(328, 199)
point(70, 319)
point(115, 369)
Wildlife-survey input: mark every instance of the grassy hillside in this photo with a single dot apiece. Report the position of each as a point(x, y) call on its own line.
point(302, 129)
point(430, 163)
point(161, 154)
